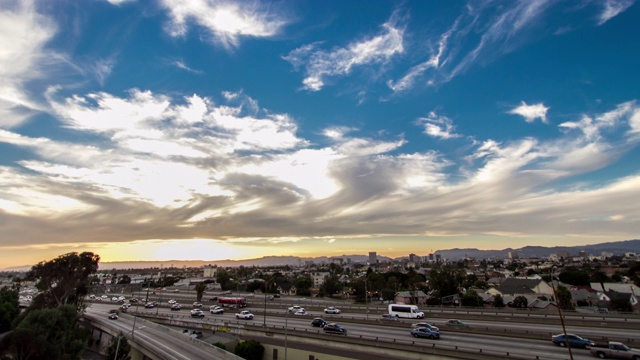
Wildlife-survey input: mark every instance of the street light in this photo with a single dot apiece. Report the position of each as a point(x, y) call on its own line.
point(266, 287)
point(564, 329)
point(286, 317)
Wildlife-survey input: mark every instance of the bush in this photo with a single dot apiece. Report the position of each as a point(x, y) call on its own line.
point(220, 345)
point(250, 350)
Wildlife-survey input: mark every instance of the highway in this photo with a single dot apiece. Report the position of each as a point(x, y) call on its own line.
point(392, 331)
point(170, 343)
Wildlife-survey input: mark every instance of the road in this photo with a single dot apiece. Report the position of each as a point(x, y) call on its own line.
point(389, 332)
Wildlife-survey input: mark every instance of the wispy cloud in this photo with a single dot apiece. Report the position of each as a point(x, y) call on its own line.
point(417, 71)
point(612, 8)
point(23, 35)
point(531, 112)
point(227, 22)
point(438, 126)
point(181, 65)
point(119, 2)
point(320, 64)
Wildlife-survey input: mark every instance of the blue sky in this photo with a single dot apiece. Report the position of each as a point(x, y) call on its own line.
point(174, 129)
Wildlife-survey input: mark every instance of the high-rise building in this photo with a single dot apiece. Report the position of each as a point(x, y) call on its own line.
point(414, 258)
point(373, 258)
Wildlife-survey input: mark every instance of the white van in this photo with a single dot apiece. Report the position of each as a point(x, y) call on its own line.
point(405, 311)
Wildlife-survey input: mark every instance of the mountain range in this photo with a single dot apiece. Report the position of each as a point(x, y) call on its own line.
point(615, 248)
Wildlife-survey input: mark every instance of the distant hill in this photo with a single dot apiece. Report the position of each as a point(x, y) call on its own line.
point(616, 248)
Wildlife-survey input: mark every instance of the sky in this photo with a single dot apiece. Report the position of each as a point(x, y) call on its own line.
point(205, 130)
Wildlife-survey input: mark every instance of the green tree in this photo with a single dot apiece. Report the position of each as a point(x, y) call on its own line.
point(124, 279)
point(47, 334)
point(9, 309)
point(331, 286)
point(564, 298)
point(574, 276)
point(200, 288)
point(64, 280)
point(303, 284)
point(123, 348)
point(444, 281)
point(498, 301)
point(224, 279)
point(471, 298)
point(520, 302)
point(249, 350)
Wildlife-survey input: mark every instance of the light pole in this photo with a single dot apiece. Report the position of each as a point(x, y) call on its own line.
point(286, 317)
point(564, 329)
point(266, 287)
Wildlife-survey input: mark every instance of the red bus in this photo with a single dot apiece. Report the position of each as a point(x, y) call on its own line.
point(227, 301)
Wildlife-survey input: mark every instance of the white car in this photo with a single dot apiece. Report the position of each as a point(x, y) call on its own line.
point(301, 313)
point(216, 310)
point(114, 299)
point(332, 310)
point(172, 301)
point(295, 308)
point(121, 298)
point(244, 314)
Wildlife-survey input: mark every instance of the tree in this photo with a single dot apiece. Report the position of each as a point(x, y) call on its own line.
point(249, 350)
point(200, 288)
point(564, 298)
point(9, 309)
point(471, 298)
point(47, 334)
point(331, 286)
point(444, 281)
point(498, 301)
point(303, 284)
point(124, 279)
point(64, 280)
point(574, 276)
point(121, 345)
point(520, 302)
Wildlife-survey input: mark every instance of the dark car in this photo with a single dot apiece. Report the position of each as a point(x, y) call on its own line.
point(113, 316)
point(319, 322)
point(149, 305)
point(454, 322)
point(575, 341)
point(334, 329)
point(424, 332)
point(176, 307)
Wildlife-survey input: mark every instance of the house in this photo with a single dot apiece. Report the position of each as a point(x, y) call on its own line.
point(408, 297)
point(542, 305)
point(523, 287)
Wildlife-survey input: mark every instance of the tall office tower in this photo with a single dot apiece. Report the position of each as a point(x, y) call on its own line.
point(373, 258)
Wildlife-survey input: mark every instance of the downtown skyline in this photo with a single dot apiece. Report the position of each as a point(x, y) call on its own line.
point(212, 130)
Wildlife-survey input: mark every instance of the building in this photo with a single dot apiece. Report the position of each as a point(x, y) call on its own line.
point(411, 297)
point(413, 258)
point(210, 271)
point(318, 278)
point(513, 255)
point(373, 258)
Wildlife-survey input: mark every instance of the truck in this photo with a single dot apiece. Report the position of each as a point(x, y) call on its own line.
point(615, 350)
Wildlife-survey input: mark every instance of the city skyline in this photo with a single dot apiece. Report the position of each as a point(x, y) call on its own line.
point(205, 130)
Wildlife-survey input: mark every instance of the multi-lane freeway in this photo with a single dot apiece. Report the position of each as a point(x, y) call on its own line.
point(355, 322)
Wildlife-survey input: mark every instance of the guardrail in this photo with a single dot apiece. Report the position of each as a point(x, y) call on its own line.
point(358, 344)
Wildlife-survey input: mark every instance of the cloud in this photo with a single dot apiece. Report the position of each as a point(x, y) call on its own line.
point(409, 79)
point(531, 112)
point(320, 65)
point(438, 126)
point(147, 166)
point(612, 8)
point(181, 65)
point(227, 22)
point(23, 35)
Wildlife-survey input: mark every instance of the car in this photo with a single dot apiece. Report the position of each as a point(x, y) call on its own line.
point(276, 295)
point(197, 305)
point(270, 297)
point(149, 305)
point(295, 308)
point(334, 328)
point(574, 340)
point(424, 332)
point(176, 307)
point(215, 298)
point(114, 299)
point(121, 298)
point(92, 296)
point(390, 317)
point(104, 297)
point(331, 310)
point(244, 314)
point(424, 325)
point(133, 300)
point(172, 301)
point(113, 316)
point(318, 322)
point(301, 312)
point(216, 310)
point(197, 313)
point(454, 322)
